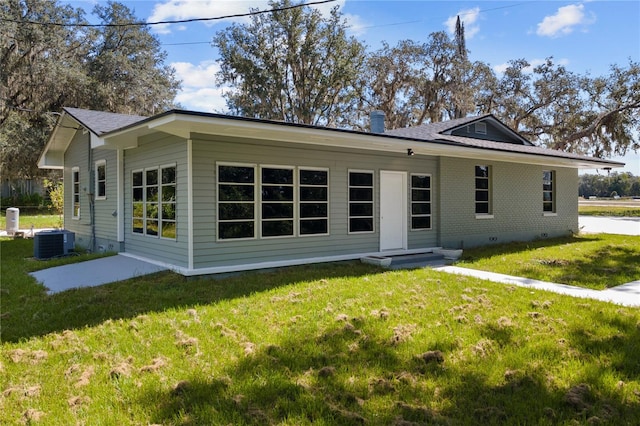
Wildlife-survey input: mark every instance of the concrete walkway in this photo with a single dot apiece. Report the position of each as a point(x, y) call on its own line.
point(609, 225)
point(94, 272)
point(626, 295)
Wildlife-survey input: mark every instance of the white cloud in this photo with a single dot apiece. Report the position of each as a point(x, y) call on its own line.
point(199, 91)
point(564, 21)
point(201, 75)
point(172, 10)
point(469, 17)
point(501, 68)
point(206, 99)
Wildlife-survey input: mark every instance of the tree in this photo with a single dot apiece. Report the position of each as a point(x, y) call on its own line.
point(609, 122)
point(293, 65)
point(126, 66)
point(44, 67)
point(38, 74)
point(388, 82)
point(419, 83)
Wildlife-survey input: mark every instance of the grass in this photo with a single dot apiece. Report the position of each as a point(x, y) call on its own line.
point(331, 344)
point(39, 221)
point(617, 211)
point(596, 261)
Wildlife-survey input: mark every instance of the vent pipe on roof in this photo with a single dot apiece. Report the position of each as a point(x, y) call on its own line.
point(377, 121)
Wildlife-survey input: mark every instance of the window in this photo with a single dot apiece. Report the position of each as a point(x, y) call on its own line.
point(548, 196)
point(483, 190)
point(75, 183)
point(151, 202)
point(360, 201)
point(236, 202)
point(154, 202)
point(314, 202)
point(420, 202)
point(168, 202)
point(277, 201)
point(137, 185)
point(101, 180)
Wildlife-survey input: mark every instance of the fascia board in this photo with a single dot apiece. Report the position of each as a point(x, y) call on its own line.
point(184, 126)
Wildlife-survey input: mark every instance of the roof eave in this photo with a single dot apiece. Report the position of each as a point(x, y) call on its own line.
point(52, 156)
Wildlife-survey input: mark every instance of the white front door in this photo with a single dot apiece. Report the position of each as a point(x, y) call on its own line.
point(393, 210)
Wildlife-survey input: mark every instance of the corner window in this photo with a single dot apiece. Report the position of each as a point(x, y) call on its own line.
point(548, 192)
point(420, 202)
point(314, 202)
point(360, 201)
point(101, 180)
point(236, 201)
point(75, 184)
point(483, 190)
point(277, 202)
point(154, 202)
point(168, 202)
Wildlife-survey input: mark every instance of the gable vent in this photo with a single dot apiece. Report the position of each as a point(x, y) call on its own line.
point(481, 128)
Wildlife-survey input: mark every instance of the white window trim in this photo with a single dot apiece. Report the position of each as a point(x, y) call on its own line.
point(159, 202)
point(430, 215)
point(73, 193)
point(299, 204)
point(484, 216)
point(256, 203)
point(553, 211)
point(160, 185)
point(294, 203)
point(373, 202)
point(100, 163)
point(489, 191)
point(144, 196)
point(144, 186)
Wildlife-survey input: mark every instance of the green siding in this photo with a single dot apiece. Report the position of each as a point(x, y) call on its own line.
point(77, 155)
point(211, 253)
point(516, 200)
point(105, 222)
point(154, 152)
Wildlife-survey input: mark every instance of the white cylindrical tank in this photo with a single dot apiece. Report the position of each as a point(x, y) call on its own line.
point(13, 220)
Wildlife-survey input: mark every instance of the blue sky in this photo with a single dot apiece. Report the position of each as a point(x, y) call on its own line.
point(586, 37)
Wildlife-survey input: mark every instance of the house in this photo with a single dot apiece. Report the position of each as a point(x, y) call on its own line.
point(207, 193)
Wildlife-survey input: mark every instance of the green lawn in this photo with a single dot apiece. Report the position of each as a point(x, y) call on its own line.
point(596, 261)
point(333, 344)
point(38, 221)
point(619, 211)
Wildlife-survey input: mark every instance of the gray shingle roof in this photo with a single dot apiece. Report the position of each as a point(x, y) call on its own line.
point(433, 132)
point(100, 122)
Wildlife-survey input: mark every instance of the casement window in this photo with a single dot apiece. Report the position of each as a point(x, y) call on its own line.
point(548, 191)
point(420, 202)
point(75, 185)
point(313, 209)
point(277, 201)
point(483, 190)
point(154, 202)
point(236, 201)
point(101, 180)
point(360, 201)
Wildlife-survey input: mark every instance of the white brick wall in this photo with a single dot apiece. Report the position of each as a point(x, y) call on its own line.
point(516, 200)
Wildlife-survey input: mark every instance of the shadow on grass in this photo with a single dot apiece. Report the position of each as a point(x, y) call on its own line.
point(27, 311)
point(609, 262)
point(353, 375)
